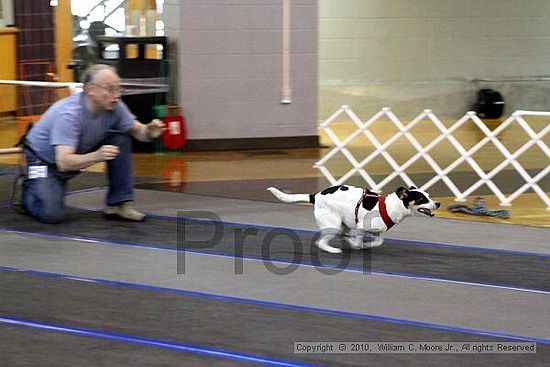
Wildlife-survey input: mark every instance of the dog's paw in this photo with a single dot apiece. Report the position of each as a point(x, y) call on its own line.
point(372, 244)
point(354, 242)
point(329, 249)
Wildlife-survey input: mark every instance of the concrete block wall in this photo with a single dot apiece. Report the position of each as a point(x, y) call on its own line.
point(416, 54)
point(229, 55)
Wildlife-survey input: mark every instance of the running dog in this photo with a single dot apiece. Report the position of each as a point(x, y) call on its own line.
point(350, 212)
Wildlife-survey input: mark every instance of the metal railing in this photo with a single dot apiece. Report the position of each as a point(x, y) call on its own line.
point(129, 86)
point(423, 152)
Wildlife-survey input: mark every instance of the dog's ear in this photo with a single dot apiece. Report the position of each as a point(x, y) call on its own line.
point(402, 192)
point(412, 188)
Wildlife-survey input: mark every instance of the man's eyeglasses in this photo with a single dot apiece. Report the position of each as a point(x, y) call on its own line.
point(112, 89)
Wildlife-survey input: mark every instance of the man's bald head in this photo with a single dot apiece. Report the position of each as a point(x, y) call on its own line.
point(94, 73)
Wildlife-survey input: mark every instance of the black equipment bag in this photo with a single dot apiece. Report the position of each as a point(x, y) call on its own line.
point(490, 104)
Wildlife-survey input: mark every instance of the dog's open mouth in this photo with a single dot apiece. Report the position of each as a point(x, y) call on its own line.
point(425, 211)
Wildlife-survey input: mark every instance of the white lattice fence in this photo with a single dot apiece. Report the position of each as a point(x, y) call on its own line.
point(423, 152)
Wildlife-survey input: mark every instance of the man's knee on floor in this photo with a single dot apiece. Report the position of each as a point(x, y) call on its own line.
point(51, 214)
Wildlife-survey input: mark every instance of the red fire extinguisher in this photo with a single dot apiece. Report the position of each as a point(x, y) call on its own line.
point(174, 136)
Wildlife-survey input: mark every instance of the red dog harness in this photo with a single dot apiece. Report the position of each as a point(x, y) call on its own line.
point(381, 206)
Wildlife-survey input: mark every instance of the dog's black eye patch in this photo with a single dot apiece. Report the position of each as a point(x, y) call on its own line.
point(331, 190)
point(415, 196)
point(418, 198)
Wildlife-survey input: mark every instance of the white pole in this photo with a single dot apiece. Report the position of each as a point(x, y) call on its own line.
point(10, 150)
point(286, 96)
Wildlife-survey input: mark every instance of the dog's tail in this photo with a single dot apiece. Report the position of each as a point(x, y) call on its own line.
point(291, 198)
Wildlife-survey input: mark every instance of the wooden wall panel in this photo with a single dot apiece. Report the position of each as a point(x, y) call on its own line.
point(63, 40)
point(8, 68)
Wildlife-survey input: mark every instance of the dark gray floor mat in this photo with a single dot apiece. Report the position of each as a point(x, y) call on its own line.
point(227, 325)
point(254, 189)
point(442, 262)
point(85, 180)
point(22, 346)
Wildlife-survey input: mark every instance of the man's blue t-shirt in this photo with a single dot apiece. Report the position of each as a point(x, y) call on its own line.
point(69, 122)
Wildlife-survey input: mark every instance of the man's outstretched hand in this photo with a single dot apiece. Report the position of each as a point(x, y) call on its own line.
point(154, 128)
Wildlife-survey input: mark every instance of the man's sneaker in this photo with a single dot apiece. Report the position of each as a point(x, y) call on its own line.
point(125, 211)
point(17, 192)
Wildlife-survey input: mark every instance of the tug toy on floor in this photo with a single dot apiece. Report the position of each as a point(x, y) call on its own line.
point(479, 208)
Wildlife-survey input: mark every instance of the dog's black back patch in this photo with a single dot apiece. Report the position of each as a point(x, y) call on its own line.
point(370, 201)
point(333, 189)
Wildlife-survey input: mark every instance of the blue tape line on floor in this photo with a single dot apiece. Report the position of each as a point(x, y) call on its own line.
point(281, 305)
point(182, 347)
point(274, 261)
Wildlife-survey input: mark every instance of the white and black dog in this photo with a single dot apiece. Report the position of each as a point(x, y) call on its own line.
point(350, 211)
